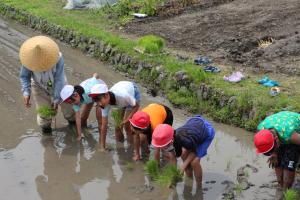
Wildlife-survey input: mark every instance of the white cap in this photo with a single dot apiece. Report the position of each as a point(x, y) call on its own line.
point(98, 89)
point(66, 92)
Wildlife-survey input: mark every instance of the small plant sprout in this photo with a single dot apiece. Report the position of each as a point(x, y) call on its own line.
point(129, 166)
point(228, 165)
point(117, 116)
point(46, 112)
point(151, 44)
point(238, 189)
point(265, 43)
point(291, 194)
point(246, 173)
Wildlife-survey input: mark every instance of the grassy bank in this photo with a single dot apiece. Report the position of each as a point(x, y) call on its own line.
point(243, 104)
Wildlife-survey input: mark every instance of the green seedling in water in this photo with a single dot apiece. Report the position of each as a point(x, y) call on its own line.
point(46, 112)
point(152, 169)
point(228, 165)
point(129, 166)
point(117, 115)
point(238, 189)
point(290, 194)
point(169, 176)
point(246, 173)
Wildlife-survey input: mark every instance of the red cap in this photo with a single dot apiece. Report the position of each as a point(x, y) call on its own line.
point(162, 135)
point(264, 141)
point(140, 120)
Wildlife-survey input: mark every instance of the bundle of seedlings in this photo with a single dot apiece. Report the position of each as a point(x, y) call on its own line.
point(117, 116)
point(46, 111)
point(168, 176)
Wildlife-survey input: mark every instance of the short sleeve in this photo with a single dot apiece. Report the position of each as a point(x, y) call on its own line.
point(105, 111)
point(76, 108)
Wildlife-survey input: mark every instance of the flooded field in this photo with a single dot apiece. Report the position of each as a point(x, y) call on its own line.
point(33, 166)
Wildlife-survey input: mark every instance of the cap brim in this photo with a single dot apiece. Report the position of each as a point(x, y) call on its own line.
point(160, 146)
point(93, 95)
point(136, 125)
point(262, 152)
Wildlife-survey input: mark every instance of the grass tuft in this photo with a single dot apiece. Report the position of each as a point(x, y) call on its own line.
point(152, 169)
point(151, 44)
point(169, 176)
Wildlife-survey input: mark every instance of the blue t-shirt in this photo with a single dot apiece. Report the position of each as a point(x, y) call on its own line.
point(197, 131)
point(87, 85)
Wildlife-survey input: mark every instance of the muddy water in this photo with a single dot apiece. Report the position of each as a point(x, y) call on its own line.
point(33, 166)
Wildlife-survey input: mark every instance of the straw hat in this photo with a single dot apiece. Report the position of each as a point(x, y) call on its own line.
point(39, 53)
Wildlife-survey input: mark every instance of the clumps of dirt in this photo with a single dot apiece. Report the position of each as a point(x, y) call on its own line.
point(230, 32)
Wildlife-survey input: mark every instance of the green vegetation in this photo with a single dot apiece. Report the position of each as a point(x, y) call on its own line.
point(290, 194)
point(129, 166)
point(151, 44)
point(46, 112)
point(238, 189)
point(167, 176)
point(152, 169)
point(117, 115)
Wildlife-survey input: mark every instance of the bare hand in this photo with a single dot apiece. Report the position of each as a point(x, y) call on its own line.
point(26, 100)
point(273, 161)
point(54, 106)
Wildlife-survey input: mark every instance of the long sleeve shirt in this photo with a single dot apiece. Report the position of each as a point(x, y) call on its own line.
point(52, 80)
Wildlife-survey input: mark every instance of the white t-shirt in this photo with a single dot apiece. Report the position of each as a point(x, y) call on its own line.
point(125, 96)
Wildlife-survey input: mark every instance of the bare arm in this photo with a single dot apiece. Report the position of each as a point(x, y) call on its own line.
point(103, 132)
point(133, 110)
point(157, 154)
point(295, 138)
point(78, 125)
point(188, 160)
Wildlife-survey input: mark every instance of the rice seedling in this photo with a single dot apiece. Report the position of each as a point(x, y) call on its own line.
point(129, 166)
point(169, 177)
point(238, 189)
point(265, 43)
point(228, 165)
point(152, 169)
point(291, 194)
point(117, 115)
point(46, 112)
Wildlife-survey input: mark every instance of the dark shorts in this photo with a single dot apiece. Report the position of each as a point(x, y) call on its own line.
point(169, 118)
point(288, 156)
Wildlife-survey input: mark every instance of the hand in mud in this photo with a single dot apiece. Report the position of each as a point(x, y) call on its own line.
point(272, 161)
point(54, 106)
point(136, 158)
point(78, 138)
point(26, 100)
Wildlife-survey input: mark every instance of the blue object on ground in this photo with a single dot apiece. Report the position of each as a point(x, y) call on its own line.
point(268, 82)
point(212, 69)
point(202, 60)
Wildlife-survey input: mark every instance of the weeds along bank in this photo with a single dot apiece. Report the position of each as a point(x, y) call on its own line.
point(185, 84)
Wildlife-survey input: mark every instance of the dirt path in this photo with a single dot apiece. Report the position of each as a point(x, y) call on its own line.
point(229, 32)
point(33, 166)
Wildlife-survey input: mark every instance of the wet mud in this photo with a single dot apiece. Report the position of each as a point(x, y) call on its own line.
point(33, 166)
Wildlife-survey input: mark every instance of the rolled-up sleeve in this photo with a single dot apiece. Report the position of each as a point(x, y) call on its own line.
point(25, 79)
point(59, 79)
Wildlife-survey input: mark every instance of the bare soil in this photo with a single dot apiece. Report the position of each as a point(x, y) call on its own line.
point(229, 31)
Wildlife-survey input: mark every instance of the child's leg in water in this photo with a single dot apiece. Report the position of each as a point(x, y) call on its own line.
point(188, 170)
point(197, 170)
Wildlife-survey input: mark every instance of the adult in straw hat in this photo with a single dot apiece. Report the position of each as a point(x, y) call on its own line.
point(42, 75)
point(278, 137)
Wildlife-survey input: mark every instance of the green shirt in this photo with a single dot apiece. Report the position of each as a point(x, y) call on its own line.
point(285, 123)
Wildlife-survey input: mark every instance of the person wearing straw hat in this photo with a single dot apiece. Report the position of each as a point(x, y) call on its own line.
point(189, 141)
point(124, 95)
point(42, 76)
point(278, 137)
point(78, 96)
point(144, 122)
